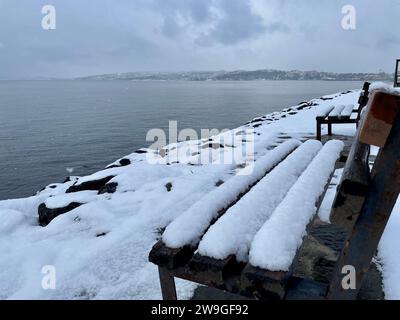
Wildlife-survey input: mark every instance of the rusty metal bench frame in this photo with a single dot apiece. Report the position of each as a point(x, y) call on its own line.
point(362, 102)
point(361, 209)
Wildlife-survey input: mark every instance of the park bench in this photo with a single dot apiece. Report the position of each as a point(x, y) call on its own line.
point(207, 243)
point(342, 113)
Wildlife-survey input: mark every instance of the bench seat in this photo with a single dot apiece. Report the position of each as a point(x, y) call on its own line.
point(341, 114)
point(220, 258)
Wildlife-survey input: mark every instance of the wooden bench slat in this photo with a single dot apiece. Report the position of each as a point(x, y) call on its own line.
point(347, 112)
point(170, 258)
point(323, 113)
point(336, 112)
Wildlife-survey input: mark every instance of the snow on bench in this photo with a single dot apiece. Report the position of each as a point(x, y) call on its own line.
point(323, 112)
point(188, 228)
point(347, 111)
point(276, 243)
point(336, 112)
point(233, 232)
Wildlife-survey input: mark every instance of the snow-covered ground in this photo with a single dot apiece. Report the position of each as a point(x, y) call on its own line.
point(100, 248)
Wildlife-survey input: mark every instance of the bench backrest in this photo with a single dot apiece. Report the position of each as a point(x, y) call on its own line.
point(366, 198)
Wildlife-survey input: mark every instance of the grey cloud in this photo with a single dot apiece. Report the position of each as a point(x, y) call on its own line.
point(234, 23)
point(100, 36)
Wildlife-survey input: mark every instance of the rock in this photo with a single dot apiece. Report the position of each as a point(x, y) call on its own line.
point(140, 151)
point(109, 188)
point(219, 183)
point(213, 145)
point(102, 234)
point(89, 185)
point(46, 215)
point(168, 186)
point(121, 163)
point(124, 162)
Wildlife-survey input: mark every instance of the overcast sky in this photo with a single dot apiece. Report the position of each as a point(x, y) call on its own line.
point(106, 36)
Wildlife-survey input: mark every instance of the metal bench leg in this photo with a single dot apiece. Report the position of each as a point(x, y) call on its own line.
point(167, 283)
point(318, 130)
point(329, 129)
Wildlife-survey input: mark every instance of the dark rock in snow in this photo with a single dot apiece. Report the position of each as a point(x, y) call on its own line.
point(326, 98)
point(168, 186)
point(121, 163)
point(124, 162)
point(213, 145)
point(109, 188)
point(89, 185)
point(140, 151)
point(102, 234)
point(46, 215)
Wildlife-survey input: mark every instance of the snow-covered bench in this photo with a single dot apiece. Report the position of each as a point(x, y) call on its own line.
point(341, 113)
point(258, 234)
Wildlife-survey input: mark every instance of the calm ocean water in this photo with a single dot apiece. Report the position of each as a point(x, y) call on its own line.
point(49, 126)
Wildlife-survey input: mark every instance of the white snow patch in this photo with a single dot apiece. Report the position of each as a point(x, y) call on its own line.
point(382, 86)
point(388, 253)
point(64, 200)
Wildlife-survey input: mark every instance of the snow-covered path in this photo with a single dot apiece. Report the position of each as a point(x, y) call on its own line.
point(100, 248)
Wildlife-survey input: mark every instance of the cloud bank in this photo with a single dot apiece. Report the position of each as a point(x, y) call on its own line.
point(104, 36)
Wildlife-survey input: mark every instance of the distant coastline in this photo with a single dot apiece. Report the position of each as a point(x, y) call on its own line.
point(242, 75)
